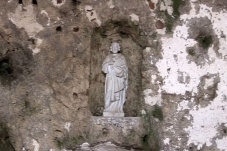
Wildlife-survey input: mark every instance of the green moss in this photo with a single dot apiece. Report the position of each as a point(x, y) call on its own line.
point(69, 142)
point(150, 141)
point(145, 142)
point(176, 6)
point(168, 22)
point(6, 71)
point(30, 109)
point(191, 51)
point(5, 144)
point(157, 112)
point(76, 2)
point(27, 104)
point(204, 40)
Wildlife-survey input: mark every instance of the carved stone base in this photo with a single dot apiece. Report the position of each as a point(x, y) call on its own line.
point(112, 114)
point(119, 130)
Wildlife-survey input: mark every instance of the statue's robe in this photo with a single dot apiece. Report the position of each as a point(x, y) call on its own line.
point(116, 82)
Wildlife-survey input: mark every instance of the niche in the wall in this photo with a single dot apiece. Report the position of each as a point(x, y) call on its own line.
point(127, 34)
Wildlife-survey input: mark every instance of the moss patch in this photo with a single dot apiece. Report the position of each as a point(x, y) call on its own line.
point(69, 142)
point(5, 144)
point(191, 51)
point(150, 140)
point(176, 6)
point(204, 41)
point(6, 71)
point(169, 20)
point(157, 112)
point(76, 2)
point(29, 108)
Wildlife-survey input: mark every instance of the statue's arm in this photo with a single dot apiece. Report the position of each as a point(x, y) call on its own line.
point(122, 69)
point(106, 63)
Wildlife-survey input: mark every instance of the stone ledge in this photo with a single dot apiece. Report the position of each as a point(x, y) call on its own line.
point(119, 130)
point(111, 114)
point(116, 121)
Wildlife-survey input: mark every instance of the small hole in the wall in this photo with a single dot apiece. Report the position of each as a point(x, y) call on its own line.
point(59, 1)
point(58, 28)
point(76, 2)
point(32, 40)
point(20, 2)
point(224, 131)
point(76, 29)
point(34, 2)
point(75, 95)
point(5, 67)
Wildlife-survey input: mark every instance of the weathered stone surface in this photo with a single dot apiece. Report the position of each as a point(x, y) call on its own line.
point(51, 82)
point(120, 130)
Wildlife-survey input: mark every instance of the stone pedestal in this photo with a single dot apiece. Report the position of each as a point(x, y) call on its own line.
point(112, 114)
point(119, 130)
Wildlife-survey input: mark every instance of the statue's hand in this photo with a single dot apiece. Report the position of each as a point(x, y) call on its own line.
point(110, 68)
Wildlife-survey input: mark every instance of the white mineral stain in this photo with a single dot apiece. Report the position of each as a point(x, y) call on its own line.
point(44, 12)
point(37, 46)
point(208, 82)
point(153, 78)
point(183, 105)
point(92, 15)
point(222, 143)
point(35, 144)
point(166, 141)
point(152, 100)
point(67, 126)
point(143, 112)
point(203, 129)
point(166, 5)
point(134, 17)
point(110, 3)
point(26, 19)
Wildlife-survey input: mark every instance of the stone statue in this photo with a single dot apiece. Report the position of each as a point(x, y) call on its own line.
point(116, 82)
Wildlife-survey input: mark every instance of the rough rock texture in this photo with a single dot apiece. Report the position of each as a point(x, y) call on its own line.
point(51, 81)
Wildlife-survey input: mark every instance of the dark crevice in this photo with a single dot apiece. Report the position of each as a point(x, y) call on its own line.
point(76, 2)
point(59, 1)
point(5, 142)
point(34, 2)
point(58, 28)
point(20, 2)
point(76, 29)
point(5, 67)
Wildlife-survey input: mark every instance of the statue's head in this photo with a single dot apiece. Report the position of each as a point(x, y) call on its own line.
point(115, 47)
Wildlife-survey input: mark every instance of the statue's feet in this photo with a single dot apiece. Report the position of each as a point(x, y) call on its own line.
point(113, 114)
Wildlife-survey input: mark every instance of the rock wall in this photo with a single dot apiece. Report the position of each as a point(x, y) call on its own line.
point(50, 53)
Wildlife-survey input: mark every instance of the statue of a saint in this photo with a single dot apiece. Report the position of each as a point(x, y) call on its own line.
point(116, 82)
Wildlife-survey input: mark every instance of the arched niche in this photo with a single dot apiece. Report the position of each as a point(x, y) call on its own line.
point(128, 35)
